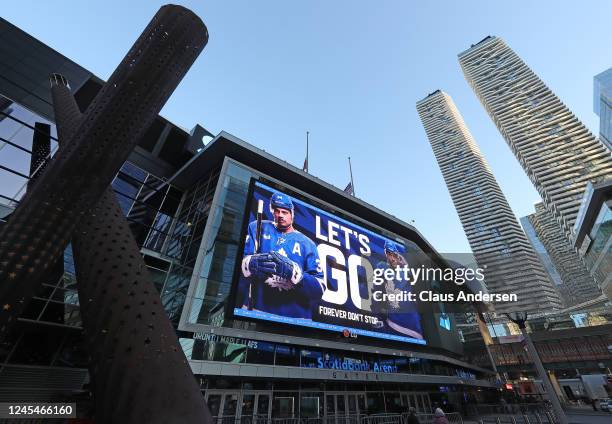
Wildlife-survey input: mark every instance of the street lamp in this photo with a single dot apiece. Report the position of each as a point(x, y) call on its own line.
point(520, 319)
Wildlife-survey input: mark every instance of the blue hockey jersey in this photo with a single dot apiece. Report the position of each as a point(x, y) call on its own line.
point(303, 298)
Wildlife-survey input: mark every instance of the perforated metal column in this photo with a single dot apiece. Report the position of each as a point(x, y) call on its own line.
point(140, 372)
point(41, 149)
point(75, 180)
point(67, 113)
point(129, 335)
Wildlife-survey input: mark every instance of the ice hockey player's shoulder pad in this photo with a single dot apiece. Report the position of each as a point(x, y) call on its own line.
point(306, 241)
point(264, 224)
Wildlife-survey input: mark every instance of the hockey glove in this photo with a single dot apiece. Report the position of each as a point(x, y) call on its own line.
point(258, 265)
point(286, 269)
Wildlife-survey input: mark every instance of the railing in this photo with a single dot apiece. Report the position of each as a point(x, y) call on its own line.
point(523, 413)
point(382, 419)
point(341, 419)
point(534, 418)
point(453, 418)
point(509, 409)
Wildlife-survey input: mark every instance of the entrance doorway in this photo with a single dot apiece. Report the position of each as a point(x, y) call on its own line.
point(418, 400)
point(227, 406)
point(345, 403)
point(258, 406)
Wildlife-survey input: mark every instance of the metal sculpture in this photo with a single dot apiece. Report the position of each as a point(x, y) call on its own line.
point(138, 370)
point(41, 149)
point(74, 181)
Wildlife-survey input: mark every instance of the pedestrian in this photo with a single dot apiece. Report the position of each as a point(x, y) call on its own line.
point(504, 405)
point(440, 417)
point(412, 418)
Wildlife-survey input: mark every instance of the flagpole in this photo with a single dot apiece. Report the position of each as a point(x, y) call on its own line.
point(351, 171)
point(307, 132)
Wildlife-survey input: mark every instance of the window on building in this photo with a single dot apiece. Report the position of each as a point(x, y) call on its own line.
point(287, 355)
point(259, 352)
point(556, 130)
point(479, 227)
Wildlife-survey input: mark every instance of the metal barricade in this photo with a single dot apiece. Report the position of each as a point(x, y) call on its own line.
point(312, 420)
point(507, 409)
point(382, 419)
point(527, 418)
point(342, 419)
point(424, 418)
point(452, 417)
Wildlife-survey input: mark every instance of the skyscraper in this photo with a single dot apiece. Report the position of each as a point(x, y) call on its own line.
point(494, 234)
point(540, 249)
point(602, 105)
point(578, 285)
point(558, 153)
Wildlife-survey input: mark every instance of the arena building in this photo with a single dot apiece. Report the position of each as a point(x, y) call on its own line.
point(303, 340)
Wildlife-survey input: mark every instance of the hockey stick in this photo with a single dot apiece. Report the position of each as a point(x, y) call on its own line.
point(257, 242)
point(260, 205)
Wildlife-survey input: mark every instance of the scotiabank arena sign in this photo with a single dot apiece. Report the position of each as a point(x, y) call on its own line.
point(331, 362)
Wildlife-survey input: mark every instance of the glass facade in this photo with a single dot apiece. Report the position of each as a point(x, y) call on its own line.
point(219, 251)
point(245, 351)
point(26, 64)
point(605, 121)
point(541, 251)
point(150, 205)
point(599, 253)
point(602, 105)
point(185, 240)
point(17, 126)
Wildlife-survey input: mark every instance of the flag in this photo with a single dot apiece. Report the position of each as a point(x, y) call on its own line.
point(349, 188)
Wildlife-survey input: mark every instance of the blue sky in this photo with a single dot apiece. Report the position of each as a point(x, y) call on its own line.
point(350, 72)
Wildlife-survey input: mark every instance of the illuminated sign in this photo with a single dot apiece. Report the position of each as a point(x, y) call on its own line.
point(302, 265)
point(349, 364)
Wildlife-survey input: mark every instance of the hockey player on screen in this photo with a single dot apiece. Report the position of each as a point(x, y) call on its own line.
point(281, 265)
point(401, 317)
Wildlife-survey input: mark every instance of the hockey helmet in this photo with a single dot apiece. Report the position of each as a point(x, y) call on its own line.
point(281, 200)
point(391, 247)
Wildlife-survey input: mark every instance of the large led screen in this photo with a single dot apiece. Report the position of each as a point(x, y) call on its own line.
point(304, 266)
